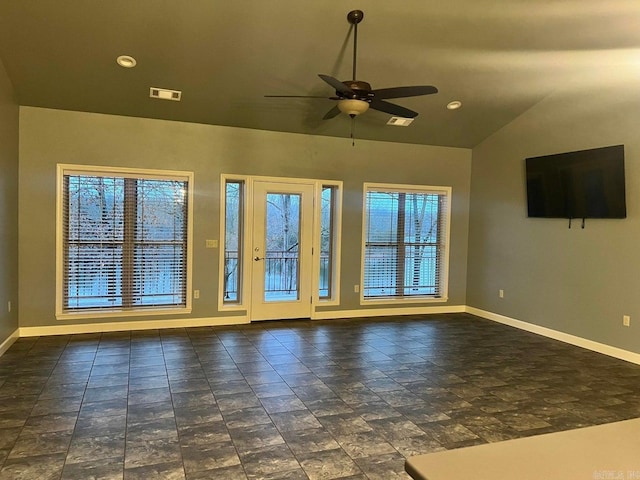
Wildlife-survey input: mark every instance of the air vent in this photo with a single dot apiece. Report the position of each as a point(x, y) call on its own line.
point(400, 121)
point(164, 94)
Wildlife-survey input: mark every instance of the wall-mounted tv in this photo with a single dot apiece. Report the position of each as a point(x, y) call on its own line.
point(582, 184)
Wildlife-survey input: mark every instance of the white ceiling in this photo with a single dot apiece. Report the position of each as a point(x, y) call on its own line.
point(497, 57)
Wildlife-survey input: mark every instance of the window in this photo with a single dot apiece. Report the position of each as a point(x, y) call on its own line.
point(405, 242)
point(123, 240)
point(233, 241)
point(327, 238)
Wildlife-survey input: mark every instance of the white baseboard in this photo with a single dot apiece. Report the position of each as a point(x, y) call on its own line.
point(384, 312)
point(556, 335)
point(219, 321)
point(134, 325)
point(4, 346)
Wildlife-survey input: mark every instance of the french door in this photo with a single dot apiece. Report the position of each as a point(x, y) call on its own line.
point(282, 246)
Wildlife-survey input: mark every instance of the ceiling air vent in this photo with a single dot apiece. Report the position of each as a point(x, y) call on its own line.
point(400, 121)
point(164, 94)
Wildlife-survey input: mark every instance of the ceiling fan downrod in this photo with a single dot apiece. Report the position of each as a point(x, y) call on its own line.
point(354, 17)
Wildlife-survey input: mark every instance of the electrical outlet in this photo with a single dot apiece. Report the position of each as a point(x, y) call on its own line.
point(501, 293)
point(196, 294)
point(626, 320)
point(356, 288)
point(211, 243)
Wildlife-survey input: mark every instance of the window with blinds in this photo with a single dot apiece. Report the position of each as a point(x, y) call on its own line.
point(124, 241)
point(405, 242)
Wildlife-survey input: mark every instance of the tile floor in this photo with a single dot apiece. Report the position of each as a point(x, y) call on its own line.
point(341, 399)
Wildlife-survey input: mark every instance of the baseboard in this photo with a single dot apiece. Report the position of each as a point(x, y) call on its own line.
point(69, 329)
point(556, 335)
point(134, 325)
point(4, 346)
point(384, 312)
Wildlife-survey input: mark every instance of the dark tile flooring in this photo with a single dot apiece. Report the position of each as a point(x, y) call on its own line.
point(341, 399)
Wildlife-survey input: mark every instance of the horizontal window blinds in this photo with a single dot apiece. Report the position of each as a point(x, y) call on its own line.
point(404, 243)
point(124, 242)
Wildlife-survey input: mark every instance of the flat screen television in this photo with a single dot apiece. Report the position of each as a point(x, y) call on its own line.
point(582, 184)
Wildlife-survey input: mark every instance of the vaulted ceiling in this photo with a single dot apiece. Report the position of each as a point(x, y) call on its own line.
point(497, 57)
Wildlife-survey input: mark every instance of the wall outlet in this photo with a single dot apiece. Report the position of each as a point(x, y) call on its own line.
point(356, 288)
point(626, 320)
point(211, 243)
point(501, 293)
point(196, 294)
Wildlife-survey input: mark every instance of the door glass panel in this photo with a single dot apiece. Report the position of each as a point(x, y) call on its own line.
point(282, 240)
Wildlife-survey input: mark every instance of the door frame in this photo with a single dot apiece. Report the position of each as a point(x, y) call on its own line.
point(243, 305)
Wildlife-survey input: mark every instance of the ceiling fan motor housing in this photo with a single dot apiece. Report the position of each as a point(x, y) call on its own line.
point(361, 90)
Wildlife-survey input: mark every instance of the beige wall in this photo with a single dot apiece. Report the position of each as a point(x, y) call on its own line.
point(48, 137)
point(575, 281)
point(8, 207)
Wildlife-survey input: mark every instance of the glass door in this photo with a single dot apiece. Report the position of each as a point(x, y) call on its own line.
point(282, 250)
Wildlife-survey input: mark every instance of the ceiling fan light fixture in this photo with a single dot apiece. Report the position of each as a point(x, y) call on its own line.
point(455, 105)
point(353, 107)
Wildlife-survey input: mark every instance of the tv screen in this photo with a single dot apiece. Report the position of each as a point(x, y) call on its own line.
point(582, 184)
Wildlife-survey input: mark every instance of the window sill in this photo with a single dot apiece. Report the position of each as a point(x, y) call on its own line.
point(327, 302)
point(232, 307)
point(113, 313)
point(402, 301)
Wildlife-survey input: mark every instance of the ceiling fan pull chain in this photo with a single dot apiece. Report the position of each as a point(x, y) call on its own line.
point(353, 128)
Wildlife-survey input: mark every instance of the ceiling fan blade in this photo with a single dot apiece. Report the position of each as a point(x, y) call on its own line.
point(392, 109)
point(296, 96)
point(334, 112)
point(402, 92)
point(337, 84)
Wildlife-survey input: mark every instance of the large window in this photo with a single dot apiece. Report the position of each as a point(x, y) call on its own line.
point(405, 242)
point(123, 239)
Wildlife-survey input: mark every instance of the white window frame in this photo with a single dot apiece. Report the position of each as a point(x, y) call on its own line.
point(334, 294)
point(444, 260)
point(93, 170)
point(245, 246)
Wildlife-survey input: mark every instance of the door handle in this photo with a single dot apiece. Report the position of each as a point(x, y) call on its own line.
point(258, 258)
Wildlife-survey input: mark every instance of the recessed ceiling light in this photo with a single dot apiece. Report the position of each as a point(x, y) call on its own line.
point(456, 104)
point(126, 61)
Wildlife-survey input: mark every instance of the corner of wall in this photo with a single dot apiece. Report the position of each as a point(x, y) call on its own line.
point(9, 138)
point(4, 346)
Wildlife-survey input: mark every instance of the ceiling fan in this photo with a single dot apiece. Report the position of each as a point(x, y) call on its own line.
point(355, 97)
